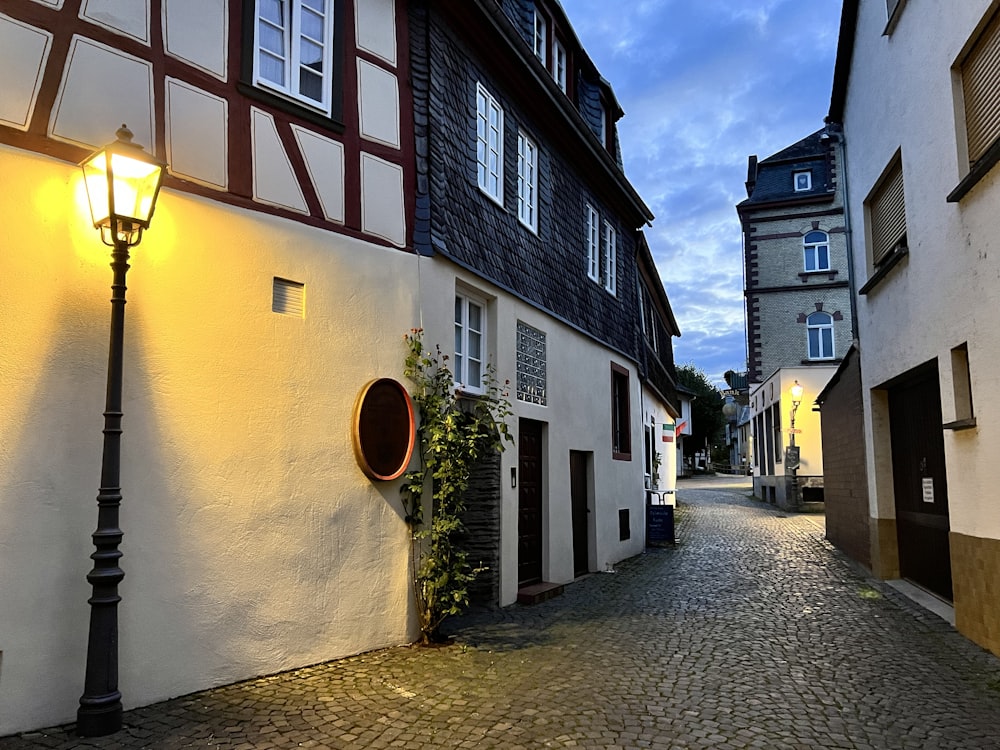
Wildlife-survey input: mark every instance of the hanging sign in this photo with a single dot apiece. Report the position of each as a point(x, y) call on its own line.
point(668, 433)
point(384, 429)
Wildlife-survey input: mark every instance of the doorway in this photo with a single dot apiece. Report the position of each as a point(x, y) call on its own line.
point(579, 491)
point(529, 502)
point(919, 481)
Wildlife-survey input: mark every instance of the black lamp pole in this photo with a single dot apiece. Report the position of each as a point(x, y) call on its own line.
point(100, 711)
point(122, 185)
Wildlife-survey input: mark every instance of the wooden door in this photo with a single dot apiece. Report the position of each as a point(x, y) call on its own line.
point(529, 502)
point(920, 483)
point(579, 492)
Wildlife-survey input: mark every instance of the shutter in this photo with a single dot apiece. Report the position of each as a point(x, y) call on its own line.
point(288, 298)
point(887, 214)
point(981, 90)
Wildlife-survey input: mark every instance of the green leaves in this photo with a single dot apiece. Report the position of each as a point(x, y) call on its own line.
point(454, 433)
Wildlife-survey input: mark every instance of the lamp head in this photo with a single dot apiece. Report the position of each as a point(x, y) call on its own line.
point(123, 182)
point(796, 391)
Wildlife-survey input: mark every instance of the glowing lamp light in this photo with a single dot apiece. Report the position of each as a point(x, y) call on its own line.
point(123, 182)
point(796, 391)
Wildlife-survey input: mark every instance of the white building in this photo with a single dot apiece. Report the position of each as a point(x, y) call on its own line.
point(915, 92)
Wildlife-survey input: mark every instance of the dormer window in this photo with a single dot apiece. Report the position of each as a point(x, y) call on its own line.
point(541, 42)
point(802, 180)
point(559, 64)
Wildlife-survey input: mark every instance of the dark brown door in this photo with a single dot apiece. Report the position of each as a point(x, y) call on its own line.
point(919, 482)
point(529, 502)
point(578, 491)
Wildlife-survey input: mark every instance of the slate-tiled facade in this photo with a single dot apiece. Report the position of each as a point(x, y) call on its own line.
point(478, 246)
point(547, 269)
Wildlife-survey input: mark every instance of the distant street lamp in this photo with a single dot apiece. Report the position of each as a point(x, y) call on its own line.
point(793, 453)
point(796, 391)
point(123, 182)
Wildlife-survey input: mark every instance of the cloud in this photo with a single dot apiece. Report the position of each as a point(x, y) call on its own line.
point(704, 85)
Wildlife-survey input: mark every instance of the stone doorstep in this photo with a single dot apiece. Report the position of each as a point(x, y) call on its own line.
point(537, 593)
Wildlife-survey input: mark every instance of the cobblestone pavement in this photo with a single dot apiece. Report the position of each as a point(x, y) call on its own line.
point(751, 633)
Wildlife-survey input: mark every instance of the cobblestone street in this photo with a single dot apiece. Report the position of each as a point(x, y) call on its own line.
point(753, 632)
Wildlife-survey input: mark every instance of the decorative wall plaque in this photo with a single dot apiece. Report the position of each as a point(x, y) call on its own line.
point(384, 429)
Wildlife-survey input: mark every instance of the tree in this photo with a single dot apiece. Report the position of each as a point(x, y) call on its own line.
point(707, 421)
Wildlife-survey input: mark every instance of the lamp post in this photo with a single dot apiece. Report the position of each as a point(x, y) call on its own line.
point(796, 392)
point(123, 182)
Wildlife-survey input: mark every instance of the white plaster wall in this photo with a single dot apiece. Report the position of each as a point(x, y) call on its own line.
point(578, 418)
point(24, 51)
point(253, 543)
point(196, 31)
point(777, 388)
point(945, 292)
point(655, 414)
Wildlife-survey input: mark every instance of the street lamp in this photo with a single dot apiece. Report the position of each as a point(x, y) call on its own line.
point(792, 459)
point(796, 391)
point(123, 182)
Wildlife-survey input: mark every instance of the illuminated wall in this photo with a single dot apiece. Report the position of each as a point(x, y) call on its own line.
point(253, 543)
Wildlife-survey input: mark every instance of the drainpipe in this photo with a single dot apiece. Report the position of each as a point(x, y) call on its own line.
point(834, 132)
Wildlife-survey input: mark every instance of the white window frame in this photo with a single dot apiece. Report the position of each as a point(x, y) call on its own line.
point(560, 63)
point(593, 244)
point(819, 329)
point(489, 144)
point(293, 39)
point(807, 173)
point(540, 44)
point(527, 181)
point(811, 251)
point(610, 258)
point(464, 335)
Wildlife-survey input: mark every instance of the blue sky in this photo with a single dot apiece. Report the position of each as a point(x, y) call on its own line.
point(704, 84)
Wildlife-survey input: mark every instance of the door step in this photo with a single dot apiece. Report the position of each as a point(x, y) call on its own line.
point(537, 593)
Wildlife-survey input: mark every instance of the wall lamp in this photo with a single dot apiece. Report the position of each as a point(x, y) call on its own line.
point(123, 182)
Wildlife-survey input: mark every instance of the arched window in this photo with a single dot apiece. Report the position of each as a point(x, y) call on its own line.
point(816, 248)
point(820, 331)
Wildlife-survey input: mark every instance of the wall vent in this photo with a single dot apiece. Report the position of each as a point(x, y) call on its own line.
point(288, 298)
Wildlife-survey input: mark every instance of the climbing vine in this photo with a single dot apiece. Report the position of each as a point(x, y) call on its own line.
point(454, 434)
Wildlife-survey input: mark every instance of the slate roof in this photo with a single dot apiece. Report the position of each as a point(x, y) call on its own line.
point(770, 180)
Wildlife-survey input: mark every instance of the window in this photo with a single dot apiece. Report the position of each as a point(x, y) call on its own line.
point(559, 64)
point(610, 258)
point(819, 328)
point(527, 182)
point(593, 245)
point(489, 144)
point(802, 180)
point(531, 375)
point(470, 342)
point(293, 50)
point(887, 214)
point(981, 91)
point(621, 426)
point(816, 249)
point(540, 41)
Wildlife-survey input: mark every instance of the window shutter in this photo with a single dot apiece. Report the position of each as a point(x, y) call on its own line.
point(981, 90)
point(887, 214)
